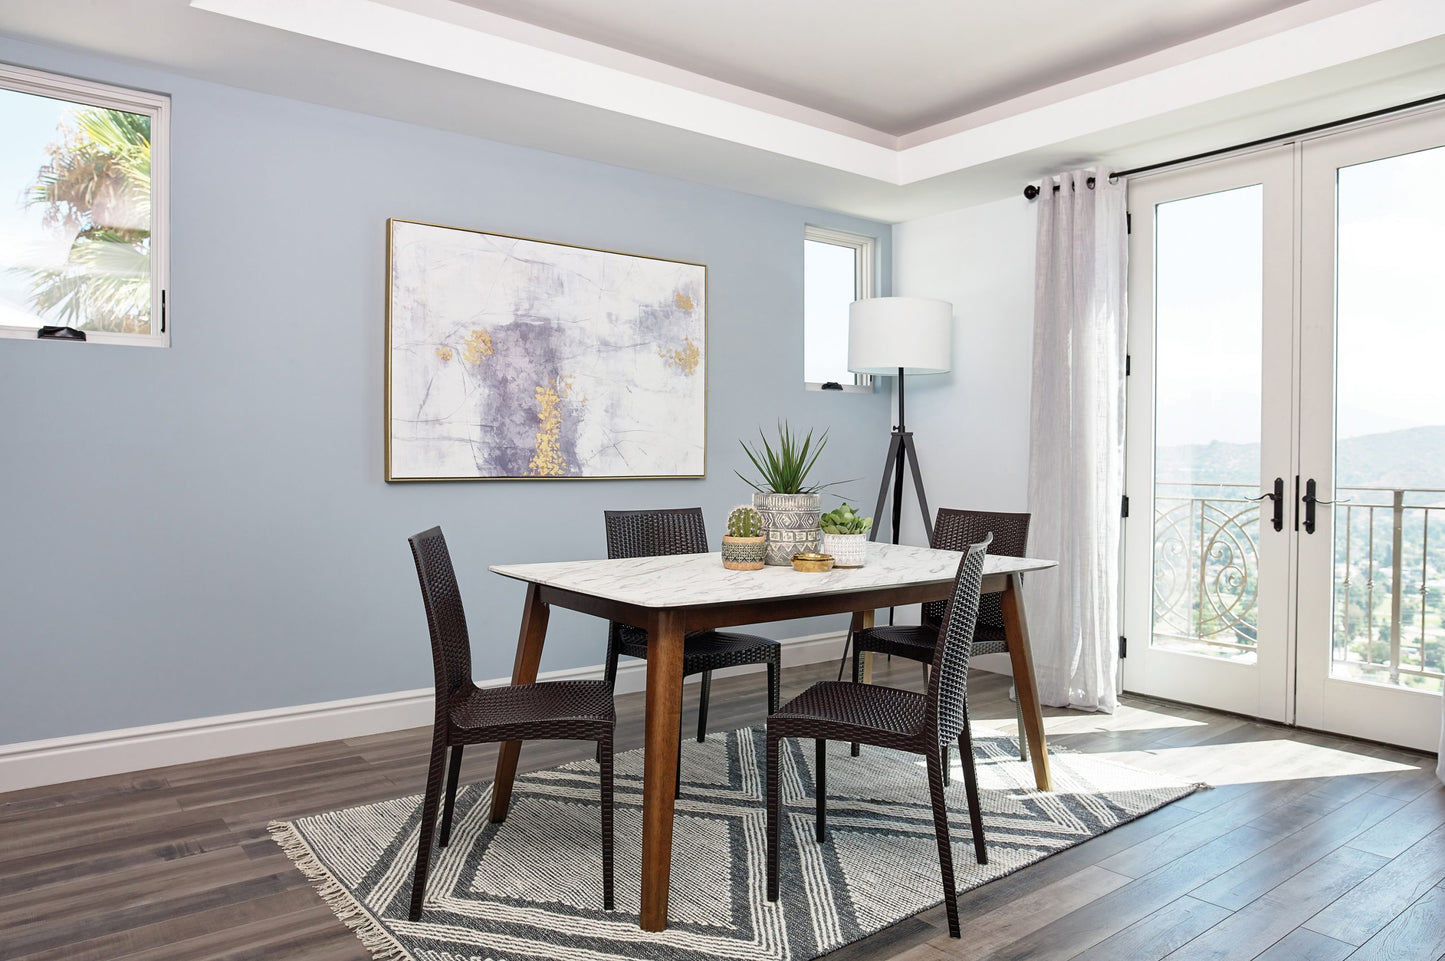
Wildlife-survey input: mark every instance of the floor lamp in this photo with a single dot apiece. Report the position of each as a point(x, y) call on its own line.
point(894, 337)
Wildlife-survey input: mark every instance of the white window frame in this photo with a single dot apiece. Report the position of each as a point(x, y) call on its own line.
point(864, 272)
point(157, 107)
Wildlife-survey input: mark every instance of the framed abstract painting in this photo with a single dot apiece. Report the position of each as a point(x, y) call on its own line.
point(515, 358)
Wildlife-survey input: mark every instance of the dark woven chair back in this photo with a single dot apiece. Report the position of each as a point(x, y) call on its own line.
point(654, 533)
point(948, 680)
point(450, 645)
point(954, 530)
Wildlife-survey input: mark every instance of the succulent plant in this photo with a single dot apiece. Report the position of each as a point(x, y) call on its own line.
point(745, 521)
point(843, 519)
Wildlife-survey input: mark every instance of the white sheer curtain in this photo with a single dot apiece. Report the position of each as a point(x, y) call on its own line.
point(1440, 764)
point(1076, 447)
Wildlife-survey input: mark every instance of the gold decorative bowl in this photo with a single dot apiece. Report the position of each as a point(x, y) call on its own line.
point(810, 562)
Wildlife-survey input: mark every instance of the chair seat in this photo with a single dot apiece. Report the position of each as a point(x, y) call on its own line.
point(549, 709)
point(916, 641)
point(913, 641)
point(843, 711)
point(706, 650)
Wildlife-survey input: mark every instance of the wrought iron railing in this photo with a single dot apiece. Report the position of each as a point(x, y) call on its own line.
point(1389, 613)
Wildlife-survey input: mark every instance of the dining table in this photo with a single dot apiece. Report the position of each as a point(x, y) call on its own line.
point(670, 596)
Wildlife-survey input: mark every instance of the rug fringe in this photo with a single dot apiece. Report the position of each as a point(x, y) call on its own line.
point(367, 929)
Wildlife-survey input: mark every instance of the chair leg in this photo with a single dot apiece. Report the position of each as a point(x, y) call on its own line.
point(947, 768)
point(1023, 738)
point(453, 772)
point(970, 786)
point(772, 775)
point(609, 674)
point(430, 802)
point(604, 747)
point(945, 847)
point(820, 787)
point(774, 682)
point(857, 679)
point(705, 690)
point(677, 784)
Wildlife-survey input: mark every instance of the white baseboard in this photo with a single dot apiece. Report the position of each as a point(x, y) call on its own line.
point(61, 759)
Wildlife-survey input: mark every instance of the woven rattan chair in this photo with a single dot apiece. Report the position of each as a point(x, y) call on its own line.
point(954, 530)
point(894, 718)
point(467, 714)
point(653, 533)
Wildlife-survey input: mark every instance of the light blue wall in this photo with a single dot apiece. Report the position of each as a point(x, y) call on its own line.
point(204, 529)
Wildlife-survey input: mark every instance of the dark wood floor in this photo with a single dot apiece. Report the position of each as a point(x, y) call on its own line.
point(1311, 847)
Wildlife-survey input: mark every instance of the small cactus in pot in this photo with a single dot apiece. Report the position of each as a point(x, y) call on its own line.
point(744, 546)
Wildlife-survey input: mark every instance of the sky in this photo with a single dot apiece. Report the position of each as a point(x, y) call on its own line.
point(1391, 308)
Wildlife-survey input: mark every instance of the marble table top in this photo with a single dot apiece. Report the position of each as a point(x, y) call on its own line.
point(686, 580)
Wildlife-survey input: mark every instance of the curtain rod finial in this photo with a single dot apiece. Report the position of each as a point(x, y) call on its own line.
point(1031, 191)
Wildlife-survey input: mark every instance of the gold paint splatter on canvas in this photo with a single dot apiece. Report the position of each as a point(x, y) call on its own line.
point(478, 346)
point(681, 301)
point(548, 460)
point(685, 359)
point(444, 354)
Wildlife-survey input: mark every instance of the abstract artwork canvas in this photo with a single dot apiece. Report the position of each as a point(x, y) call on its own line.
point(514, 358)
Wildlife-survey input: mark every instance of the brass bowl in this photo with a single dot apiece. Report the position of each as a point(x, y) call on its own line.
point(810, 562)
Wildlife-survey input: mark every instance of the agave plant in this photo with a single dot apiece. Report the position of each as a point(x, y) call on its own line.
point(785, 470)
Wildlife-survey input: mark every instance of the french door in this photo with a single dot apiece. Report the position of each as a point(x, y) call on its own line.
point(1285, 556)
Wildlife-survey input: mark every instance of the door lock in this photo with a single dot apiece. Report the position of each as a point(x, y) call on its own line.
point(1310, 500)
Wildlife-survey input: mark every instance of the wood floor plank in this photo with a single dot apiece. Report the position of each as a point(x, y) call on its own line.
point(990, 930)
point(1240, 885)
point(1253, 929)
point(1418, 932)
point(1153, 937)
point(1302, 945)
point(1394, 835)
point(1367, 908)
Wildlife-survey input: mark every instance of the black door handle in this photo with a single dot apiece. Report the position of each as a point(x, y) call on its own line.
point(1277, 495)
point(1310, 500)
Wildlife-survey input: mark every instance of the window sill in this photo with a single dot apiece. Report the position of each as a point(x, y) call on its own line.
point(91, 337)
point(844, 389)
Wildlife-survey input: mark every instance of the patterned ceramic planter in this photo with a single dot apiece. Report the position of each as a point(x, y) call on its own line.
point(791, 522)
point(848, 550)
point(744, 553)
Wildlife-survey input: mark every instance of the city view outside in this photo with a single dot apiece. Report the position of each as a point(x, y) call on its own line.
point(1389, 530)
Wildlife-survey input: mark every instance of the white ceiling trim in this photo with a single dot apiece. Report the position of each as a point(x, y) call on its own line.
point(1185, 76)
point(408, 35)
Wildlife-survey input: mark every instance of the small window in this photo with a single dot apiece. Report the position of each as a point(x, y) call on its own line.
point(837, 270)
point(82, 209)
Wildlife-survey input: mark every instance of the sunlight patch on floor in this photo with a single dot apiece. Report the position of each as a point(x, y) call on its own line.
point(1244, 762)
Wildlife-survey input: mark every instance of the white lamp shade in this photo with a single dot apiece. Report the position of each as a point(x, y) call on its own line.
point(888, 333)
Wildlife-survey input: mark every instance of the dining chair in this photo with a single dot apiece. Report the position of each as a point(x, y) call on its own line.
point(954, 530)
point(654, 533)
point(467, 714)
point(891, 717)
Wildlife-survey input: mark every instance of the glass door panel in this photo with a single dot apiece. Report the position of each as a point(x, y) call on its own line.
point(1208, 304)
point(1373, 433)
point(1208, 431)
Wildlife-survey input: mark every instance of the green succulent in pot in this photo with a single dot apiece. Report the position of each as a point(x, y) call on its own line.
point(843, 519)
point(745, 521)
point(744, 546)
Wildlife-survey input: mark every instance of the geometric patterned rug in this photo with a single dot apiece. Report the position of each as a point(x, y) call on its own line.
point(531, 888)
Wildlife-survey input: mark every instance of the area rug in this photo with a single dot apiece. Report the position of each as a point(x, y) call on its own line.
point(532, 886)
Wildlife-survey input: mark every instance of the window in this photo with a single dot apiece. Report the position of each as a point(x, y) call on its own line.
point(82, 209)
point(837, 270)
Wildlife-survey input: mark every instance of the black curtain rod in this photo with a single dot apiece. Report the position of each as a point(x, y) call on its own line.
point(1032, 190)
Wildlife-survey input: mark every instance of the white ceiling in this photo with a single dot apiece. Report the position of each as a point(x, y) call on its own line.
point(938, 104)
point(929, 61)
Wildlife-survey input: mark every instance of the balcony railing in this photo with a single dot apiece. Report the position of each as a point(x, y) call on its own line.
point(1389, 615)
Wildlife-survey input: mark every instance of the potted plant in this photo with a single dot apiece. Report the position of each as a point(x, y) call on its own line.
point(789, 504)
point(744, 546)
point(845, 535)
